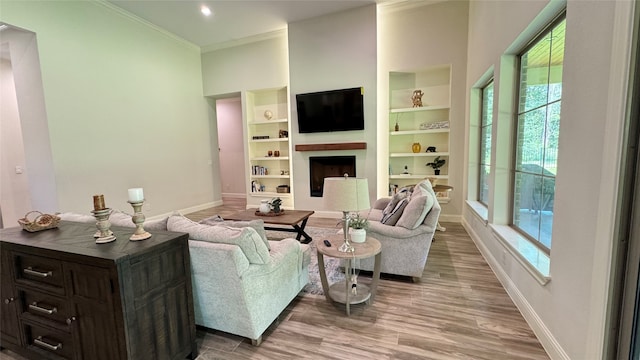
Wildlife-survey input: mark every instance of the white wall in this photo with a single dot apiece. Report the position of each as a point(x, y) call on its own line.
point(124, 106)
point(231, 141)
point(14, 188)
point(415, 38)
point(568, 311)
point(330, 52)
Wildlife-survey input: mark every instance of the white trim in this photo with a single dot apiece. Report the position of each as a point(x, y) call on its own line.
point(234, 195)
point(146, 23)
point(544, 335)
point(450, 218)
point(390, 6)
point(188, 210)
point(479, 210)
point(514, 242)
point(598, 333)
point(246, 40)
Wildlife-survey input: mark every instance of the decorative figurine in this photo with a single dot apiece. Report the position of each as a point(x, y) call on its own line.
point(417, 98)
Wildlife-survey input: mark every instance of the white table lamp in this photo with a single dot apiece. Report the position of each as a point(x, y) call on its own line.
point(346, 194)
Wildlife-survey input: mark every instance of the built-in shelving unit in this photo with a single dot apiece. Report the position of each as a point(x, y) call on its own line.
point(426, 125)
point(268, 146)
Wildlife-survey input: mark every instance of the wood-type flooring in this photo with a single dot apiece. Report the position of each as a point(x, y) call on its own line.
point(459, 310)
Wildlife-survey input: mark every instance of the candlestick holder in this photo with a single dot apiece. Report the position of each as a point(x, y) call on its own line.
point(103, 235)
point(138, 219)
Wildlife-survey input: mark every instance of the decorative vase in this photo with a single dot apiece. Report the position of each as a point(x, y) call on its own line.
point(436, 171)
point(397, 127)
point(358, 235)
point(276, 153)
point(416, 147)
point(264, 208)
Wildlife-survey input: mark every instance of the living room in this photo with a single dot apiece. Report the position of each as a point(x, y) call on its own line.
point(129, 105)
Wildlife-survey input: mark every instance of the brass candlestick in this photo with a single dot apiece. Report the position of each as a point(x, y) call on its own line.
point(138, 219)
point(103, 235)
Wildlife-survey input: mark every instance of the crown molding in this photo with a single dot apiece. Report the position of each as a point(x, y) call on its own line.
point(390, 6)
point(246, 40)
point(146, 23)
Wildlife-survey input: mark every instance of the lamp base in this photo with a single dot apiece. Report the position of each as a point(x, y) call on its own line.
point(346, 247)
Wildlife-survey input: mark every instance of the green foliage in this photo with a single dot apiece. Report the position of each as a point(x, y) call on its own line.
point(358, 222)
point(275, 204)
point(437, 163)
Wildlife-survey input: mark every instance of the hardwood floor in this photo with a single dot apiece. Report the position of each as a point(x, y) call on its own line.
point(458, 310)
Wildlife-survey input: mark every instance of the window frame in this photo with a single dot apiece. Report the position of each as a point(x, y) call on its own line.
point(531, 44)
point(483, 125)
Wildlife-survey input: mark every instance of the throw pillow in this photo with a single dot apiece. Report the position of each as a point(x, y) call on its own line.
point(393, 202)
point(246, 238)
point(392, 217)
point(257, 225)
point(420, 203)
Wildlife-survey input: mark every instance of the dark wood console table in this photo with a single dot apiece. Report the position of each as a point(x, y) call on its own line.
point(66, 297)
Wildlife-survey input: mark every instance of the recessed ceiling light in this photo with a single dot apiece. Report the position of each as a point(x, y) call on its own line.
point(205, 10)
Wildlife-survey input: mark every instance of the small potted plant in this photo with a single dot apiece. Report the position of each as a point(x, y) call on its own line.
point(275, 204)
point(436, 164)
point(358, 228)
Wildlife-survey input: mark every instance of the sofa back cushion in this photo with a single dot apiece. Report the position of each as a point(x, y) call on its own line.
point(246, 238)
point(391, 214)
point(257, 225)
point(421, 201)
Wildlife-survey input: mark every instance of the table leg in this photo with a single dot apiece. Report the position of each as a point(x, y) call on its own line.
point(301, 232)
point(376, 277)
point(323, 276)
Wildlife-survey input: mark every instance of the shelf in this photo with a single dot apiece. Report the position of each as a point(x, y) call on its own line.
point(269, 140)
point(417, 132)
point(422, 154)
point(263, 122)
point(274, 158)
point(418, 176)
point(269, 176)
point(418, 109)
point(270, 194)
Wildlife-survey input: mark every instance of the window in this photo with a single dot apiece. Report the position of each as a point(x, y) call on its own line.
point(536, 152)
point(485, 143)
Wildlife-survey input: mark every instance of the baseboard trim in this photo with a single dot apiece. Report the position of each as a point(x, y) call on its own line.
point(542, 332)
point(450, 218)
point(234, 195)
point(187, 210)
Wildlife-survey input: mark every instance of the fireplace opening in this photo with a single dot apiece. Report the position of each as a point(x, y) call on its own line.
point(321, 167)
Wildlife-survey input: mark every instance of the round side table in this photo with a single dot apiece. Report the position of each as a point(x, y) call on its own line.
point(341, 291)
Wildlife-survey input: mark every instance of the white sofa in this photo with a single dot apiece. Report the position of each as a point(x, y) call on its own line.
point(241, 281)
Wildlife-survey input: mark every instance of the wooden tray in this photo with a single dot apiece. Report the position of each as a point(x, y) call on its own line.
point(258, 213)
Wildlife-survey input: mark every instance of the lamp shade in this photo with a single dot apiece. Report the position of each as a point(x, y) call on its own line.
point(346, 194)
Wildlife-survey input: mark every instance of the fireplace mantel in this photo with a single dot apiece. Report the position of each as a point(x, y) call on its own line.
point(331, 146)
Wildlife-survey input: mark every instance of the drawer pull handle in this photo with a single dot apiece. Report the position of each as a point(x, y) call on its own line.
point(38, 341)
point(70, 320)
point(34, 306)
point(8, 300)
point(29, 270)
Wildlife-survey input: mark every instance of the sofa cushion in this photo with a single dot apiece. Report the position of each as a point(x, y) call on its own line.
point(257, 225)
point(420, 202)
point(246, 238)
point(121, 218)
point(392, 217)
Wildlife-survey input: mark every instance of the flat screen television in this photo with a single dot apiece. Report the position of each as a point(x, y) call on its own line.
point(335, 110)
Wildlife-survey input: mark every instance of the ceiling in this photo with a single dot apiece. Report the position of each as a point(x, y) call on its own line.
point(232, 20)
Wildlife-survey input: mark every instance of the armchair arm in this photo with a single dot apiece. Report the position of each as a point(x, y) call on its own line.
point(381, 203)
point(397, 231)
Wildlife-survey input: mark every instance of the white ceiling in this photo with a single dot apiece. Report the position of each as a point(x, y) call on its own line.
point(232, 20)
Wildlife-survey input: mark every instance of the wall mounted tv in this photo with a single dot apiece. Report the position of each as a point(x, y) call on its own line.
point(335, 110)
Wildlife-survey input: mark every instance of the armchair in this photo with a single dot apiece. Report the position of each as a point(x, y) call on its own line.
point(405, 245)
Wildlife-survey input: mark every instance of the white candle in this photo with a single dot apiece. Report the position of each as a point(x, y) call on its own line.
point(136, 195)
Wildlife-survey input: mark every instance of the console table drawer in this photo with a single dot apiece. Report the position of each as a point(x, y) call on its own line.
point(51, 341)
point(39, 272)
point(47, 307)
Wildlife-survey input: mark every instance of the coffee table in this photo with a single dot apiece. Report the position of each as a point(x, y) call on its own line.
point(341, 291)
point(294, 218)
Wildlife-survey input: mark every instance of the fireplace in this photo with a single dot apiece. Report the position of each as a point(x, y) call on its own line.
point(321, 167)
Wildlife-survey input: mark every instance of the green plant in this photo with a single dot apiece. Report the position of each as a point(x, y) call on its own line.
point(358, 222)
point(275, 204)
point(437, 163)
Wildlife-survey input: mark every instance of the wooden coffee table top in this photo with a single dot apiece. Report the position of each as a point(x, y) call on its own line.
point(290, 217)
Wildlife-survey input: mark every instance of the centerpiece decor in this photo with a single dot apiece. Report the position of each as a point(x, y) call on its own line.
point(101, 212)
point(136, 199)
point(358, 228)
